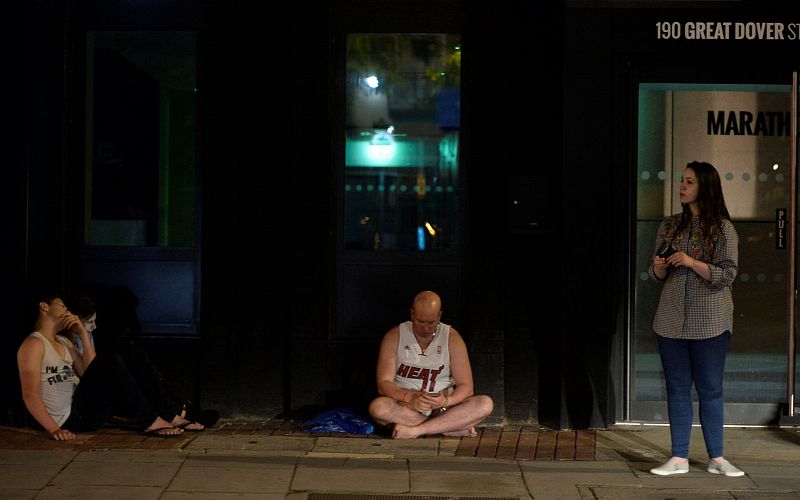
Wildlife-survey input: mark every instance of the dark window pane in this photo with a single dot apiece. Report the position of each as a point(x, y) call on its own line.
point(141, 174)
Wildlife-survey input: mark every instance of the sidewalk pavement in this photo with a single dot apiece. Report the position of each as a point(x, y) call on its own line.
point(223, 465)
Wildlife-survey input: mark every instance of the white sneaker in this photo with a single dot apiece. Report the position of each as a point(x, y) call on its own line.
point(726, 468)
point(672, 467)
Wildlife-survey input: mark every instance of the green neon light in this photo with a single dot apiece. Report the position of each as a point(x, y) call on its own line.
point(361, 153)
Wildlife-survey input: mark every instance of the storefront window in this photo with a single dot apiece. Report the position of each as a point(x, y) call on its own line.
point(141, 117)
point(402, 142)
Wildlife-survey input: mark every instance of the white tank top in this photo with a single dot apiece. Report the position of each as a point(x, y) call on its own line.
point(58, 380)
point(428, 372)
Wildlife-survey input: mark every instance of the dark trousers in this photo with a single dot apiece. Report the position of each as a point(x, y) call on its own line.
point(107, 388)
point(149, 380)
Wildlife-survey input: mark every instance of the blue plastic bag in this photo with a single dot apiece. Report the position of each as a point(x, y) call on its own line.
point(338, 420)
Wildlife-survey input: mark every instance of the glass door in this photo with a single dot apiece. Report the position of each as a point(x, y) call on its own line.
point(745, 132)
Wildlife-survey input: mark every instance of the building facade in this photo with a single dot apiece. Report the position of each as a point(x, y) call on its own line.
point(273, 186)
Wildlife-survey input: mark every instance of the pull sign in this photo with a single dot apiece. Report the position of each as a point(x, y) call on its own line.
point(780, 229)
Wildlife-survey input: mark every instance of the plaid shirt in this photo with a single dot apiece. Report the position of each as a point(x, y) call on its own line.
point(691, 307)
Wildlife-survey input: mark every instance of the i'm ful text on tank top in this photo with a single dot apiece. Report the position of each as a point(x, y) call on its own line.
point(62, 375)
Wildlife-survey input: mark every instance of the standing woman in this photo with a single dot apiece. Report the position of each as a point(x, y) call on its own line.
point(696, 258)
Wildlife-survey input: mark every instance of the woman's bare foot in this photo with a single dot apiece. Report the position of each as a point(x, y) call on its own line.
point(161, 427)
point(471, 432)
point(180, 422)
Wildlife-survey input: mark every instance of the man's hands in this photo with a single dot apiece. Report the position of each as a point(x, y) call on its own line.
point(424, 402)
point(63, 435)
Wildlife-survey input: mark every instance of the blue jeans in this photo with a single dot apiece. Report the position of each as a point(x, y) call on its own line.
point(701, 362)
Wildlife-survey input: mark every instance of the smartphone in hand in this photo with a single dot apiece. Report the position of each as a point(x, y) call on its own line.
point(665, 251)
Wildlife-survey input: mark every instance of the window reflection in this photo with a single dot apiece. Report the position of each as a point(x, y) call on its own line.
point(401, 144)
point(141, 111)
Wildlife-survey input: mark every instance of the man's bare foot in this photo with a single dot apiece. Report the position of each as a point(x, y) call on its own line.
point(471, 432)
point(161, 427)
point(404, 432)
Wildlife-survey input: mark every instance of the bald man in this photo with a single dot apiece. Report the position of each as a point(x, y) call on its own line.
point(425, 379)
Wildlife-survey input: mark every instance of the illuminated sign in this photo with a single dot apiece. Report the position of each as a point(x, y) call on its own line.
point(383, 149)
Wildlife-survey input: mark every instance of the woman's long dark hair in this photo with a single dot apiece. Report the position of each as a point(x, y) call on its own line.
point(83, 306)
point(710, 202)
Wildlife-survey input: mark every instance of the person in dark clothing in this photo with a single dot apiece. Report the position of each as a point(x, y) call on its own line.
point(147, 376)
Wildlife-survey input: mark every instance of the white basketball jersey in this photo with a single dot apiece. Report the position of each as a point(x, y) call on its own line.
point(428, 371)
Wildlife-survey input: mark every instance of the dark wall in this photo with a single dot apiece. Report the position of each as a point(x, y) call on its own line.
point(12, 252)
point(33, 246)
point(512, 133)
point(267, 111)
point(246, 185)
point(593, 219)
point(546, 113)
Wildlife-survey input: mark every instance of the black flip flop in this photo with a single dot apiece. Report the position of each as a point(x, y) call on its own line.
point(185, 426)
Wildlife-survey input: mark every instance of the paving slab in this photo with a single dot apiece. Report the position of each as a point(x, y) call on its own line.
point(28, 477)
point(787, 483)
point(748, 445)
point(784, 476)
point(565, 479)
point(453, 483)
point(352, 475)
point(566, 467)
point(699, 481)
point(123, 473)
point(632, 444)
point(258, 480)
point(765, 495)
point(129, 456)
point(194, 495)
point(634, 493)
point(104, 492)
point(14, 494)
point(473, 477)
point(36, 457)
point(279, 445)
point(753, 468)
point(249, 460)
point(461, 465)
point(384, 447)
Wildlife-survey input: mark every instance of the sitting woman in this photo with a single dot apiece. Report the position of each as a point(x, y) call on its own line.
point(68, 391)
point(147, 377)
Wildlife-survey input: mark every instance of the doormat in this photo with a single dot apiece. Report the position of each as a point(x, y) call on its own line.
point(358, 496)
